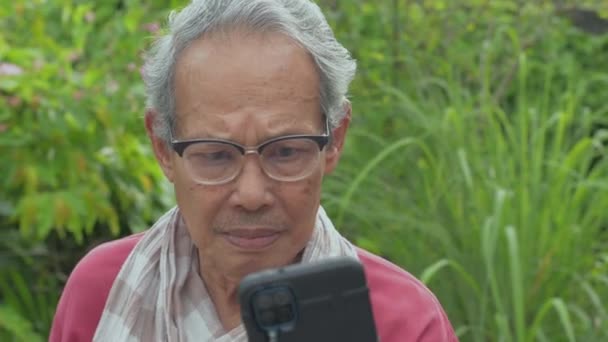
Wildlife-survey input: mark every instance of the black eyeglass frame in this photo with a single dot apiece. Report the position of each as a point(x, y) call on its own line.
point(179, 146)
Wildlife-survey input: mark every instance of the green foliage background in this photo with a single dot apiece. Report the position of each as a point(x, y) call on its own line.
point(477, 157)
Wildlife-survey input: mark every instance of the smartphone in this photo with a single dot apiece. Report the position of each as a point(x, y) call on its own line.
point(324, 301)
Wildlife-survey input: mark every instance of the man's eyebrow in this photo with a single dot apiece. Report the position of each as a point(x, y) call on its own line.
point(201, 132)
point(293, 122)
point(284, 120)
point(281, 124)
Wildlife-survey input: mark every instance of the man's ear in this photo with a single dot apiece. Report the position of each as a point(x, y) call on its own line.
point(161, 150)
point(334, 150)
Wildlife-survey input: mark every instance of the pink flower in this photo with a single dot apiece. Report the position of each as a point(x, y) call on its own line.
point(152, 27)
point(14, 101)
point(73, 56)
point(77, 95)
point(89, 17)
point(9, 69)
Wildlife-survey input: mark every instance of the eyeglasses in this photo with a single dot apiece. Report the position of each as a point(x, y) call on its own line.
point(216, 161)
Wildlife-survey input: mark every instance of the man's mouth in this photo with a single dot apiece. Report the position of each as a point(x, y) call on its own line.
point(252, 239)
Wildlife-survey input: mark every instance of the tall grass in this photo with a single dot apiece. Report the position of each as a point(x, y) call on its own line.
point(499, 205)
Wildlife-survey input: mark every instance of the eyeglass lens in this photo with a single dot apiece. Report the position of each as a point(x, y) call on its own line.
point(215, 162)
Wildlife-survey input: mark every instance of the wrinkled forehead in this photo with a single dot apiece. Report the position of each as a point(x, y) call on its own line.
point(247, 78)
point(223, 54)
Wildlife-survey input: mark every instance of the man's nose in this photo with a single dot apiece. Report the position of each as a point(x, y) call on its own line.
point(252, 185)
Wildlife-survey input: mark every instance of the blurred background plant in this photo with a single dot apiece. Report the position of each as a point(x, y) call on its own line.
point(477, 158)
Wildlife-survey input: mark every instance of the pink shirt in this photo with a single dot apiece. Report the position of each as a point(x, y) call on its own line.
point(404, 309)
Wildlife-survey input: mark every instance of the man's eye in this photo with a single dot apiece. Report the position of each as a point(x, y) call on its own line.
point(209, 158)
point(286, 152)
point(289, 150)
point(217, 156)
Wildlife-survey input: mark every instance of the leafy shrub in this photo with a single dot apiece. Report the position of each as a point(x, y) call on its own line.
point(75, 164)
point(483, 167)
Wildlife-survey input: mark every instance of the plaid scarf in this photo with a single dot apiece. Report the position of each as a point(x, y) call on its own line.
point(158, 294)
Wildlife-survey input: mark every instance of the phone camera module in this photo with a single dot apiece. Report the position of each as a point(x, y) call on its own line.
point(267, 318)
point(285, 314)
point(275, 308)
point(263, 301)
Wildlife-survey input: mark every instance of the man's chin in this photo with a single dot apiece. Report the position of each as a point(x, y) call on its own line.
point(248, 263)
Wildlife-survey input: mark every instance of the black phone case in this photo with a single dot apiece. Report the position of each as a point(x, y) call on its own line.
point(331, 301)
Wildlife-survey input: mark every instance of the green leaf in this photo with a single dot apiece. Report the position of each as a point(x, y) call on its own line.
point(18, 326)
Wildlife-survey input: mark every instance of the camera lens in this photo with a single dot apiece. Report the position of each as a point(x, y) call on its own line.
point(263, 301)
point(285, 314)
point(282, 297)
point(267, 318)
point(275, 307)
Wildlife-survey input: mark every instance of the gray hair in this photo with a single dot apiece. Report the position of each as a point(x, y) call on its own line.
point(300, 20)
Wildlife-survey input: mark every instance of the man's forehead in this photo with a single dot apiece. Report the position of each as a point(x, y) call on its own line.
point(228, 85)
point(218, 124)
point(264, 69)
point(229, 40)
point(222, 120)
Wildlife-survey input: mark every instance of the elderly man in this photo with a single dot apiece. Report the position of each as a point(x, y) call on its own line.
point(247, 114)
